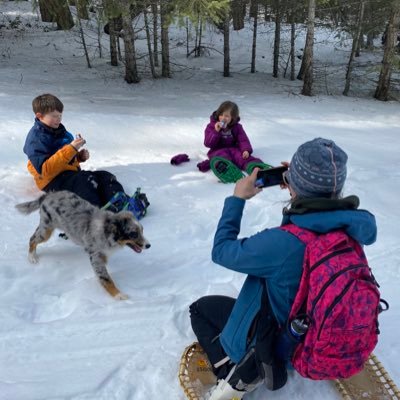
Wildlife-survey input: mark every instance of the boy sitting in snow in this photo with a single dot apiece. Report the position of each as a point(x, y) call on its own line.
point(55, 157)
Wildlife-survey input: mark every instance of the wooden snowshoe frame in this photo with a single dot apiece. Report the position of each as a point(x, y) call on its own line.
point(372, 383)
point(195, 372)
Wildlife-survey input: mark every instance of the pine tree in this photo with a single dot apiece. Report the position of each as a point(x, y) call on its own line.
point(56, 11)
point(198, 12)
point(382, 90)
point(308, 51)
point(355, 46)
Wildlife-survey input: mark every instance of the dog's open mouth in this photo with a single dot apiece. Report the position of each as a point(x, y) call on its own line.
point(134, 247)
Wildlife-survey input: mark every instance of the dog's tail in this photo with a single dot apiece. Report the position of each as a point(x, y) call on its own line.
point(30, 206)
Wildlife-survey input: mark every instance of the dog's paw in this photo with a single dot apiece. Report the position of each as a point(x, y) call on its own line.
point(33, 258)
point(121, 296)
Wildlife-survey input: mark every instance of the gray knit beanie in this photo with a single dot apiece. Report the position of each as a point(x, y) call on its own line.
point(318, 169)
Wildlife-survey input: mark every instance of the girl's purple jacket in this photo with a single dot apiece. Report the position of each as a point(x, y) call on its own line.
point(231, 136)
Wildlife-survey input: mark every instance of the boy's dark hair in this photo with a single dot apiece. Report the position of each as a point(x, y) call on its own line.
point(46, 103)
point(228, 106)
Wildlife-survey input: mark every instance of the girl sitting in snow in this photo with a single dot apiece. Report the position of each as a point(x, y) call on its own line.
point(226, 138)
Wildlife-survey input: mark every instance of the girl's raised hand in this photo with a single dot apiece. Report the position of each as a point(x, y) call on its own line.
point(218, 126)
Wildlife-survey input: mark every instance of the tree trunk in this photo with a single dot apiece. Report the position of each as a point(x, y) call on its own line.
point(308, 45)
point(146, 24)
point(119, 46)
point(360, 44)
point(154, 11)
point(187, 37)
point(354, 47)
point(45, 13)
point(254, 13)
point(370, 40)
point(81, 8)
point(200, 35)
point(165, 67)
point(56, 11)
point(277, 41)
point(238, 13)
point(292, 49)
point(308, 51)
point(196, 38)
point(99, 26)
point(382, 90)
point(63, 15)
point(82, 35)
point(226, 46)
point(113, 43)
point(131, 74)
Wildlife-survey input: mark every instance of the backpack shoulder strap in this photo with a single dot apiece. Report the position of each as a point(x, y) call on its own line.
point(305, 235)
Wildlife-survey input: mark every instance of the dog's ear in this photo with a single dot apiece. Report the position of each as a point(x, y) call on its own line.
point(124, 229)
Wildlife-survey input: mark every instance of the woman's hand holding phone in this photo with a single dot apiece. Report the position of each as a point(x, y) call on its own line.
point(245, 188)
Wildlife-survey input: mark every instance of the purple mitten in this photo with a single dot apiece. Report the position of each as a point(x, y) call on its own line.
point(179, 159)
point(204, 166)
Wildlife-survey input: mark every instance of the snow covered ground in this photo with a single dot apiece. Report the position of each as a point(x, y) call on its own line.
point(61, 335)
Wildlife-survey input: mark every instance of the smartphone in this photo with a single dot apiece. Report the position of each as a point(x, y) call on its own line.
point(79, 136)
point(270, 177)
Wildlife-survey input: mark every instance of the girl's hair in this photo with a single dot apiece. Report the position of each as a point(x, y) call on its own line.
point(47, 103)
point(228, 106)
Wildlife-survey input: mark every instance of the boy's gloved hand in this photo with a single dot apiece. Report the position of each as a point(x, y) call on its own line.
point(83, 155)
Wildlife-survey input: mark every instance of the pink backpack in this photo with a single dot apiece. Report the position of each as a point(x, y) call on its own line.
point(339, 300)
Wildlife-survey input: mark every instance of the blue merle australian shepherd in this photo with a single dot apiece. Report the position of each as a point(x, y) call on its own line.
point(98, 231)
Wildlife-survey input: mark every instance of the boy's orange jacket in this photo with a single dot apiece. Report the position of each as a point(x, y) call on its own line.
point(57, 163)
point(49, 152)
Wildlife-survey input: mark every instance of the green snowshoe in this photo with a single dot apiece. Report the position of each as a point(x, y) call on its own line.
point(226, 171)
